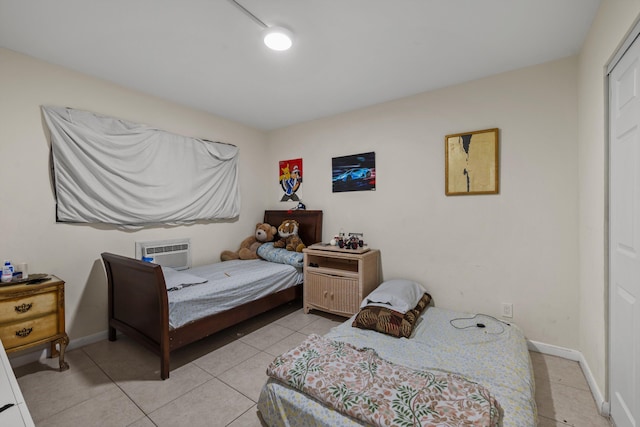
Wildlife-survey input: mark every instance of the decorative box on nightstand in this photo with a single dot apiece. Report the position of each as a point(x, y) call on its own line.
point(336, 280)
point(32, 315)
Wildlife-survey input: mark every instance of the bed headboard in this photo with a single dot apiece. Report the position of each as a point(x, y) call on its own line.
point(310, 230)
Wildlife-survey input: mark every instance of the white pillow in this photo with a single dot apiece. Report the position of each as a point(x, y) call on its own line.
point(177, 280)
point(398, 294)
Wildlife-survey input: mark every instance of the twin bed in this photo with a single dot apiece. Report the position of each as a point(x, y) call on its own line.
point(442, 342)
point(495, 357)
point(142, 307)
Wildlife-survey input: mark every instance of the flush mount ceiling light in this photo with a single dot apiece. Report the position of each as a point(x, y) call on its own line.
point(276, 38)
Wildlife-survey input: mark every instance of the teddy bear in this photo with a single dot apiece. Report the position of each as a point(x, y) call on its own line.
point(249, 246)
point(289, 239)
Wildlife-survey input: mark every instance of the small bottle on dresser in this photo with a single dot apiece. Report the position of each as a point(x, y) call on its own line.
point(7, 272)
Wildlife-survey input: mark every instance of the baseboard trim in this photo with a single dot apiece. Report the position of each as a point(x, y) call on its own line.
point(25, 358)
point(575, 356)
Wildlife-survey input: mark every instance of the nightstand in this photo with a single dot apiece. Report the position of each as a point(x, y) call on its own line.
point(33, 314)
point(336, 280)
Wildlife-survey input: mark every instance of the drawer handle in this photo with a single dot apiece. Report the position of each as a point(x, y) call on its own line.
point(23, 308)
point(24, 332)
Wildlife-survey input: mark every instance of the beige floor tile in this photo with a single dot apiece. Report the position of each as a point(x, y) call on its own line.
point(225, 358)
point(297, 320)
point(143, 422)
point(125, 359)
point(249, 376)
point(238, 357)
point(266, 336)
point(193, 351)
point(559, 370)
point(76, 358)
point(250, 418)
point(286, 344)
point(150, 395)
point(261, 320)
point(568, 405)
point(109, 409)
point(548, 422)
point(322, 325)
point(48, 391)
point(212, 404)
point(277, 313)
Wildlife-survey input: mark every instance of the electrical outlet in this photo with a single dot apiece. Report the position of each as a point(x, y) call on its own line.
point(507, 309)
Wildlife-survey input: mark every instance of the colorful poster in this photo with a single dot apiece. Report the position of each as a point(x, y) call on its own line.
point(290, 176)
point(354, 173)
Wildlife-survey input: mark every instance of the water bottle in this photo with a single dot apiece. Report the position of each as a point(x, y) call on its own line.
point(7, 272)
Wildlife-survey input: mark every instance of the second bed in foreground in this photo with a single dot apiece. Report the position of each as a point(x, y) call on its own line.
point(443, 342)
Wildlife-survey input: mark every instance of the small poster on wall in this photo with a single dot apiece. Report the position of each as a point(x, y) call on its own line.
point(290, 177)
point(354, 173)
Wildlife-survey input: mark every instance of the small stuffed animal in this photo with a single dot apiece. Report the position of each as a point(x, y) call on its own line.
point(289, 238)
point(249, 246)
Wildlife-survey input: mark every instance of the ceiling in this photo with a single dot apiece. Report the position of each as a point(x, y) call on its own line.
point(347, 54)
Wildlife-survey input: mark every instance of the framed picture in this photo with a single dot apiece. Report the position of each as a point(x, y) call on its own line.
point(354, 173)
point(290, 179)
point(471, 163)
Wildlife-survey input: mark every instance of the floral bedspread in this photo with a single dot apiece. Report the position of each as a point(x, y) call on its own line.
point(360, 384)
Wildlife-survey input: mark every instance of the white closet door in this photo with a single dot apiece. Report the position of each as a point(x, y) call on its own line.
point(624, 239)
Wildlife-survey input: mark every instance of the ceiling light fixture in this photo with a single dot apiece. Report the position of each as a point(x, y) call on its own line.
point(276, 38)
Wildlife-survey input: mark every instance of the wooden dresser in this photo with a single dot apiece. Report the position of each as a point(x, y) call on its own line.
point(336, 281)
point(32, 315)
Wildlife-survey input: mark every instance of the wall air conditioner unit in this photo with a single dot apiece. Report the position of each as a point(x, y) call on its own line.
point(168, 253)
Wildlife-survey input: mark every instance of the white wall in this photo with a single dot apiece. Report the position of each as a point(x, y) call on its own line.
point(614, 19)
point(471, 252)
point(72, 252)
point(539, 244)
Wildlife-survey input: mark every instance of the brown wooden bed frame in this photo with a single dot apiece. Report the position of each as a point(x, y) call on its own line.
point(138, 302)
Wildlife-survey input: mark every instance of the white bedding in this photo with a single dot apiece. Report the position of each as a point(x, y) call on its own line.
point(229, 284)
point(495, 356)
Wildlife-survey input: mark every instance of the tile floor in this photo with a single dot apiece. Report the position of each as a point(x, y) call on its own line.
point(217, 381)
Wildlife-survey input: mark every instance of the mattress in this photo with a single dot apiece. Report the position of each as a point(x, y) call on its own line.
point(229, 284)
point(495, 356)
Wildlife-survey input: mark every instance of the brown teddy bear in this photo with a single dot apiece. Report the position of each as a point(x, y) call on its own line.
point(249, 246)
point(289, 238)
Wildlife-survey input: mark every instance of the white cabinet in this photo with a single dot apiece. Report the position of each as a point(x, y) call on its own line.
point(18, 414)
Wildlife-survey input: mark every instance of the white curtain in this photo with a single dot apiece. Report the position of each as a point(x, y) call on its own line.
point(108, 170)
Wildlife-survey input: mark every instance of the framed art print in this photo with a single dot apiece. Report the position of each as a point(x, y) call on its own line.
point(471, 163)
point(356, 172)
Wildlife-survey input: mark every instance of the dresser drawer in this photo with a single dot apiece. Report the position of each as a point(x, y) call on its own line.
point(27, 331)
point(32, 315)
point(28, 306)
